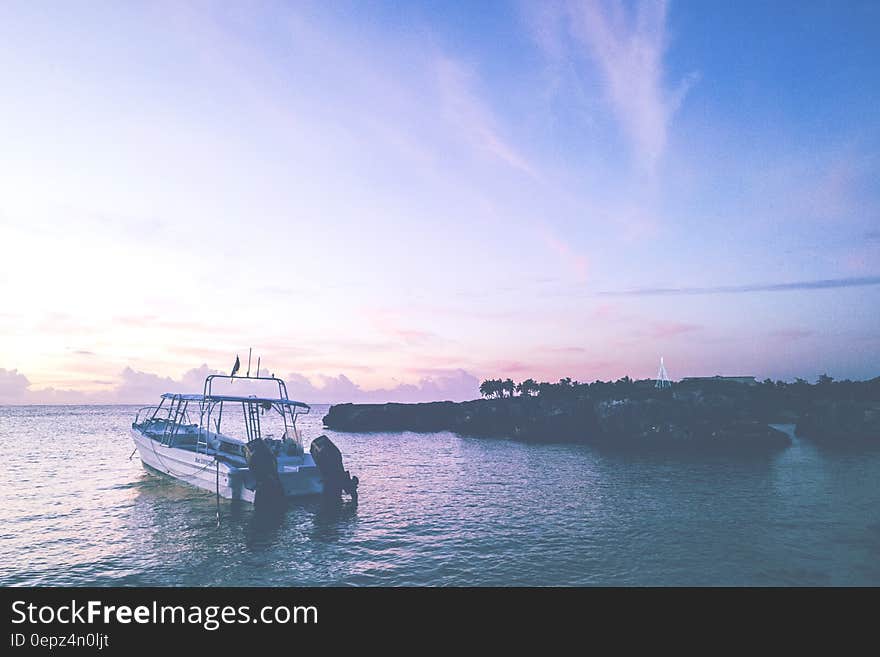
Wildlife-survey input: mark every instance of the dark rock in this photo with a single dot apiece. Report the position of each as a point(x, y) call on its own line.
point(688, 422)
point(841, 421)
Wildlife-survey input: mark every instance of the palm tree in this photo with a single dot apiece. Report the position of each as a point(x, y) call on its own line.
point(492, 388)
point(487, 388)
point(527, 388)
point(508, 386)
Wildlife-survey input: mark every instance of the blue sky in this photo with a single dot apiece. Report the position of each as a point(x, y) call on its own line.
point(394, 200)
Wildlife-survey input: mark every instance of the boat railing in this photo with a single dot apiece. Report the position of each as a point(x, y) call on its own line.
point(294, 434)
point(209, 383)
point(148, 412)
point(252, 407)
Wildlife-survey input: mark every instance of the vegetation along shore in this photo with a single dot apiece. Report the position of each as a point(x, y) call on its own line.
point(706, 412)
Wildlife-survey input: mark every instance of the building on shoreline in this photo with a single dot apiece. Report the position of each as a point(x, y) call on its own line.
point(703, 380)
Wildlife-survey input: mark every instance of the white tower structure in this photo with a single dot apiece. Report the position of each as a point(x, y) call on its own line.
point(662, 377)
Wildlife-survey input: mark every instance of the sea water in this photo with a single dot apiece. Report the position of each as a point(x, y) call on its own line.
point(436, 509)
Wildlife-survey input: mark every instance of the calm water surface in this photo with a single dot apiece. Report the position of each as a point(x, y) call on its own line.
point(436, 509)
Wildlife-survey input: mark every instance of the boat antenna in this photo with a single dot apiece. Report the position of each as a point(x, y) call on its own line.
point(258, 367)
point(248, 375)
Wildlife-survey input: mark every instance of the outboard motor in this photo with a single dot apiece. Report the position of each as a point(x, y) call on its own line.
point(264, 467)
point(336, 478)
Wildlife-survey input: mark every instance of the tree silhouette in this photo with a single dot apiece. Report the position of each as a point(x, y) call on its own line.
point(492, 388)
point(508, 386)
point(487, 389)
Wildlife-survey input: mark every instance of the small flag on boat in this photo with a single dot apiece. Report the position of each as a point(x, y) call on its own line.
point(236, 367)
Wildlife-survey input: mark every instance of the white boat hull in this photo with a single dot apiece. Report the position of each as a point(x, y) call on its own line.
point(299, 476)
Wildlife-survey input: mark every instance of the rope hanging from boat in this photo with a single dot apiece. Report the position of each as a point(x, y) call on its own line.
point(217, 481)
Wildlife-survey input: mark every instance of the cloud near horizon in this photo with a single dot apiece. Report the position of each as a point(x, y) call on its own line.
point(742, 289)
point(135, 387)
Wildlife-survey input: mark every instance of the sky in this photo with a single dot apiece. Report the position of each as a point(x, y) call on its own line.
point(393, 201)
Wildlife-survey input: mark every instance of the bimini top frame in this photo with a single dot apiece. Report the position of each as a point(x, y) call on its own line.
point(251, 405)
point(234, 398)
point(282, 390)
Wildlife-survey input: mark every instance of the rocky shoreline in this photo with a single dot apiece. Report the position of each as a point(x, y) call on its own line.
point(625, 423)
point(841, 422)
point(666, 419)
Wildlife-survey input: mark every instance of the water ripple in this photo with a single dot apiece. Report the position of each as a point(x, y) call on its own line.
point(436, 509)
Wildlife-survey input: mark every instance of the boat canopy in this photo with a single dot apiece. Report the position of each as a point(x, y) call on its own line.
point(208, 403)
point(233, 398)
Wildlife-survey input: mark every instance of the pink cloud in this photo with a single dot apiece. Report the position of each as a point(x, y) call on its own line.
point(472, 118)
point(660, 330)
point(508, 368)
point(863, 260)
point(575, 261)
point(609, 312)
point(456, 385)
point(565, 350)
point(388, 321)
point(413, 336)
point(138, 387)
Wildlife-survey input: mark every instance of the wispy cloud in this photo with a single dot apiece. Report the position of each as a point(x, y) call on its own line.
point(564, 350)
point(628, 48)
point(390, 323)
point(791, 334)
point(472, 117)
point(575, 261)
point(660, 330)
point(509, 367)
point(743, 289)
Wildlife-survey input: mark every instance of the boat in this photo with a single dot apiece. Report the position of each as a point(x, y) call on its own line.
point(206, 455)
